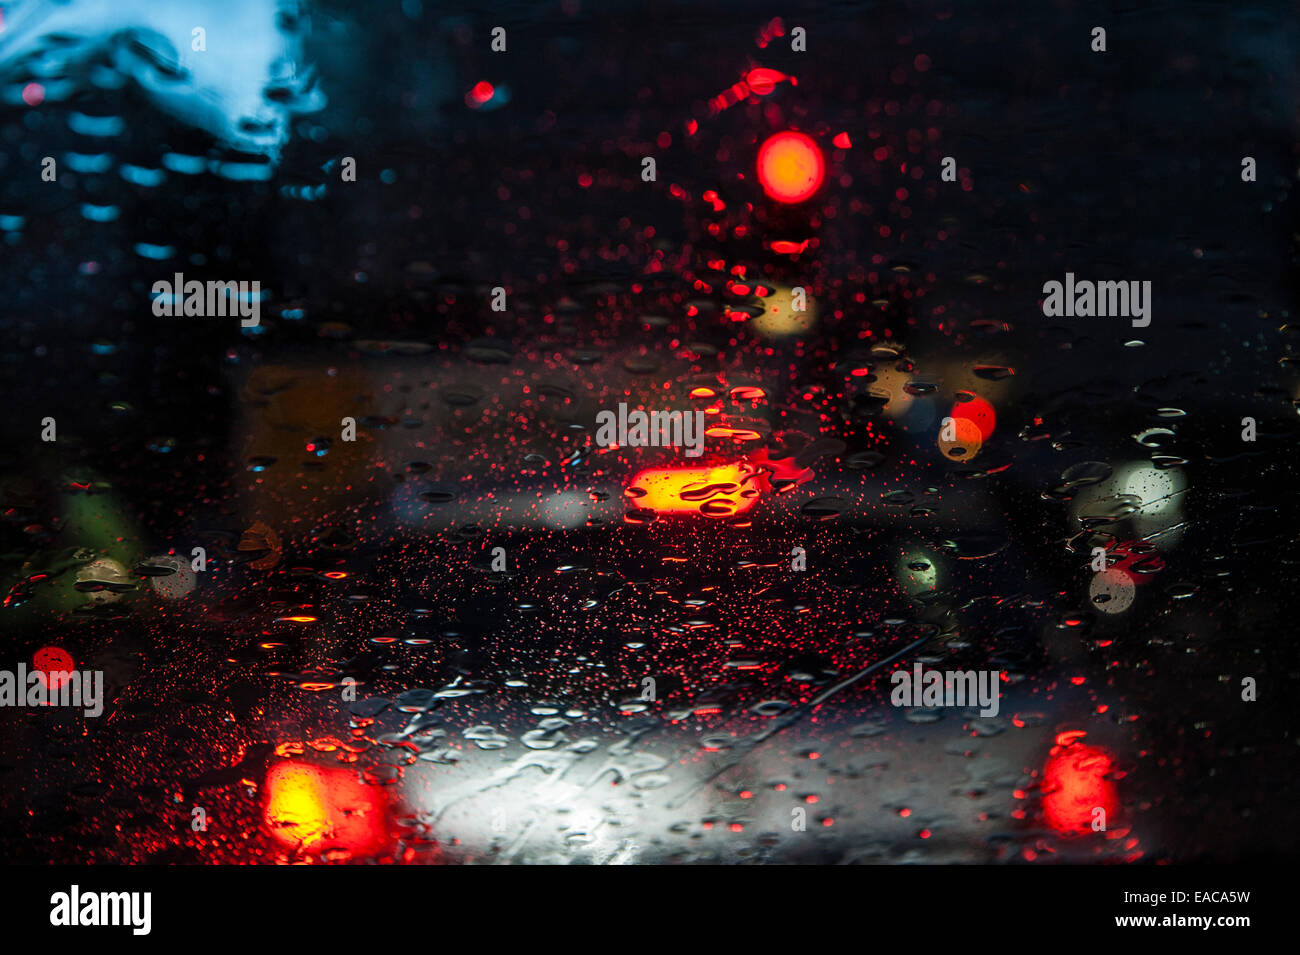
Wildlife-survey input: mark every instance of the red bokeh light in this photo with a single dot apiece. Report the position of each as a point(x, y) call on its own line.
point(790, 167)
point(979, 413)
point(51, 661)
point(480, 93)
point(1076, 781)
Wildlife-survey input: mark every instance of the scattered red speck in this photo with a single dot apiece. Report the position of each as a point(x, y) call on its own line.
point(811, 799)
point(842, 141)
point(692, 127)
point(924, 833)
point(904, 812)
point(1078, 680)
point(921, 63)
point(33, 94)
point(736, 827)
point(585, 180)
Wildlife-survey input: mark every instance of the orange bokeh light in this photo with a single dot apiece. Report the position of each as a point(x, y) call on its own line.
point(790, 167)
point(719, 491)
point(320, 807)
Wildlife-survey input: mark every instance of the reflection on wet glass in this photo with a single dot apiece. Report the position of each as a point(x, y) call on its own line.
point(362, 582)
